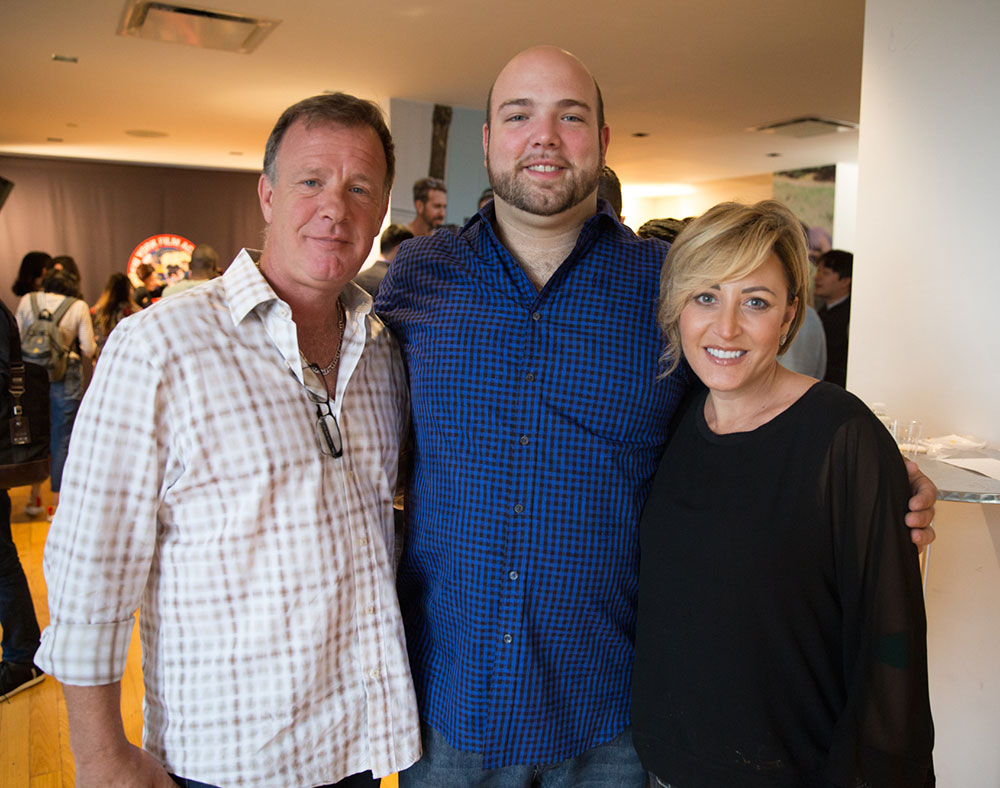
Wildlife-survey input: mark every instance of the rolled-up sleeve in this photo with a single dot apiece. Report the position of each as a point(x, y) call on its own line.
point(101, 543)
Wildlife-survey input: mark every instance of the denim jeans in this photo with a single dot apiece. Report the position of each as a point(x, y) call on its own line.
point(361, 780)
point(613, 765)
point(17, 614)
point(64, 401)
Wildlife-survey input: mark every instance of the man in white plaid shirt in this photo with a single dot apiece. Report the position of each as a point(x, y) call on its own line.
point(231, 475)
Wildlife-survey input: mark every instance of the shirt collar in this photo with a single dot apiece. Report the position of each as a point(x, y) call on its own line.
point(246, 288)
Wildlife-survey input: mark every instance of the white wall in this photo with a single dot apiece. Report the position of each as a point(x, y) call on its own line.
point(925, 322)
point(845, 207)
point(411, 123)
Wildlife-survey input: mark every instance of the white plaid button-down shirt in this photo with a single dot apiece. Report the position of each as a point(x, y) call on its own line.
point(273, 650)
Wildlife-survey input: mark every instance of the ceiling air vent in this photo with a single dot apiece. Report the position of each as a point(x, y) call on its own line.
point(805, 127)
point(198, 27)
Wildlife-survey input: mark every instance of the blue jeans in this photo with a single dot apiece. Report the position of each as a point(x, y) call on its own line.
point(610, 765)
point(64, 402)
point(17, 614)
point(361, 780)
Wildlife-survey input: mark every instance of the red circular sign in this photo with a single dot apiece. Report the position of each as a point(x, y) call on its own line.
point(168, 254)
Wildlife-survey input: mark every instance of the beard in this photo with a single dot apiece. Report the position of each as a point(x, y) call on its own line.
point(516, 191)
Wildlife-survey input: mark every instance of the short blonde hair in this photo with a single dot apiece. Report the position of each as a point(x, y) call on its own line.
point(726, 243)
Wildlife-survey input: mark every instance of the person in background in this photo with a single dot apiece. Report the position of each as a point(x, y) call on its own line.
point(664, 229)
point(781, 635)
point(430, 201)
point(254, 424)
point(67, 265)
point(151, 287)
point(610, 188)
point(78, 332)
point(833, 285)
point(29, 275)
point(204, 266)
point(820, 242)
point(392, 236)
point(114, 304)
point(18, 671)
point(29, 279)
point(484, 198)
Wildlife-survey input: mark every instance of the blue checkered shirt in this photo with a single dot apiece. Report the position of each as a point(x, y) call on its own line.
point(539, 423)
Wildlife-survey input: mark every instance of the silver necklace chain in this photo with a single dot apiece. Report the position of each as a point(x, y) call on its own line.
point(340, 344)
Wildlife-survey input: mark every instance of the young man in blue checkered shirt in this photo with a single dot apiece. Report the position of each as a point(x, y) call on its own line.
point(539, 419)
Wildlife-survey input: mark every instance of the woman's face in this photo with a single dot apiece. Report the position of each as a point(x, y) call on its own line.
point(730, 332)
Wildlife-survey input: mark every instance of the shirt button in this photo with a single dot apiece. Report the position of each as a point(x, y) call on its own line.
point(518, 508)
point(508, 638)
point(373, 673)
point(536, 316)
point(370, 609)
point(283, 312)
point(529, 377)
point(525, 440)
point(513, 575)
point(363, 541)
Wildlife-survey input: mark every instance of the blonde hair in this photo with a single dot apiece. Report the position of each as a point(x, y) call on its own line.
point(726, 243)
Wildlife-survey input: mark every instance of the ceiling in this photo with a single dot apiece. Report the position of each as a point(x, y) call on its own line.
point(693, 76)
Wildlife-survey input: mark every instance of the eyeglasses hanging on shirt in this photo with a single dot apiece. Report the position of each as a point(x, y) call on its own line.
point(331, 442)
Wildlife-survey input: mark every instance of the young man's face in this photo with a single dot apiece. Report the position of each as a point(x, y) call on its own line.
point(544, 149)
point(434, 209)
point(830, 285)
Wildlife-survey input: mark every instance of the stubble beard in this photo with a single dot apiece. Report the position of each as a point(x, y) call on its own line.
point(514, 190)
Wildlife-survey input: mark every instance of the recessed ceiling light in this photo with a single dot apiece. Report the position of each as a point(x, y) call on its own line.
point(773, 155)
point(65, 58)
point(235, 153)
point(640, 133)
point(146, 133)
point(72, 126)
point(53, 139)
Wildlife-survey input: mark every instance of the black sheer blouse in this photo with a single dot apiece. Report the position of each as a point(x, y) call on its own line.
point(781, 638)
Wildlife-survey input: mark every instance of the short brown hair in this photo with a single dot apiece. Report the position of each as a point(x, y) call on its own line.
point(422, 189)
point(726, 243)
point(341, 109)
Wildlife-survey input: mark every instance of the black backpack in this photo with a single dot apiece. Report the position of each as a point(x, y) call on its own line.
point(24, 417)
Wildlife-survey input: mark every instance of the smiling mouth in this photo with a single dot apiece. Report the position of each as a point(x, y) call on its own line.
point(724, 355)
point(543, 168)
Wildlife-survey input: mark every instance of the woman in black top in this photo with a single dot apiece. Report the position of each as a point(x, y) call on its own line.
point(781, 631)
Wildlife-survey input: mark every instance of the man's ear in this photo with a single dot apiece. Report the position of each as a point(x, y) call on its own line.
point(264, 193)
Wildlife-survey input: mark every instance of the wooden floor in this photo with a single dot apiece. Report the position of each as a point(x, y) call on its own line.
point(34, 733)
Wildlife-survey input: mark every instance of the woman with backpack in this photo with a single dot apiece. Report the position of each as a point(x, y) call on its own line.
point(56, 332)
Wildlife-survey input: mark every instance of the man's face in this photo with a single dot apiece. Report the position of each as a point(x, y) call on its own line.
point(325, 207)
point(544, 150)
point(829, 285)
point(433, 209)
